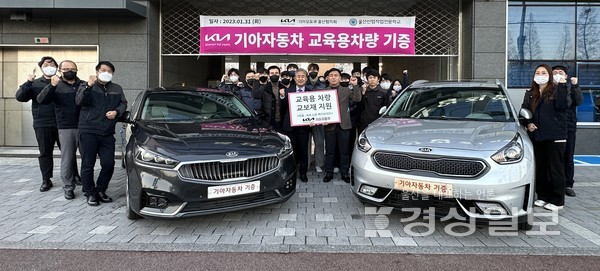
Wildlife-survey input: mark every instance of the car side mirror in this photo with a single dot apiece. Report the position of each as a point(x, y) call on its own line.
point(126, 117)
point(525, 113)
point(381, 110)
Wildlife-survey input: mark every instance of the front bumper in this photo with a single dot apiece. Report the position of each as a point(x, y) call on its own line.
point(190, 197)
point(511, 186)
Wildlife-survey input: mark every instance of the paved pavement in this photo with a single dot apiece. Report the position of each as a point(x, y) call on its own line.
point(320, 217)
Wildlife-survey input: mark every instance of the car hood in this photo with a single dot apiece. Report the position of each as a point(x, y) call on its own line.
point(451, 134)
point(209, 139)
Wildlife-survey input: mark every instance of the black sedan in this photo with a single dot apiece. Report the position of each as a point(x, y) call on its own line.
point(202, 151)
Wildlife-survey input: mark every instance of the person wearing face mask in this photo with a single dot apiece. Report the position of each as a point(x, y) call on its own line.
point(313, 78)
point(398, 86)
point(102, 103)
point(317, 133)
point(246, 92)
point(269, 94)
point(374, 98)
point(231, 82)
point(299, 135)
point(549, 102)
point(559, 73)
point(61, 91)
point(262, 76)
point(44, 118)
point(292, 68)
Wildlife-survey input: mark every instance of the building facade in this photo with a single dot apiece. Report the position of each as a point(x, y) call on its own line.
point(156, 42)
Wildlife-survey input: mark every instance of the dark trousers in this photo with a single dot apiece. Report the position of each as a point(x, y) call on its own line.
point(46, 138)
point(91, 145)
point(569, 164)
point(549, 171)
point(300, 137)
point(337, 138)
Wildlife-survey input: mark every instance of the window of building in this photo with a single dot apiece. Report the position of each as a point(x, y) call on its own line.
point(556, 33)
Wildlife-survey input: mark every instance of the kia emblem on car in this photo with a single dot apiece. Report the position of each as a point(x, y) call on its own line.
point(232, 154)
point(425, 149)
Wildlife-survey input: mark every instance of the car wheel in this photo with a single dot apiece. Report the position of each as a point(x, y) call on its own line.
point(131, 215)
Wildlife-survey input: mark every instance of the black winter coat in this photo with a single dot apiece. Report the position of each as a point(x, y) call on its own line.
point(95, 101)
point(550, 117)
point(43, 114)
point(63, 96)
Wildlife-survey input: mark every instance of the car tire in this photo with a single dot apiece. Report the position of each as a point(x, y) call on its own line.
point(131, 215)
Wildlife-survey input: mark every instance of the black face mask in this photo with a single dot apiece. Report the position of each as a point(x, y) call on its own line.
point(70, 75)
point(345, 84)
point(285, 81)
point(250, 82)
point(292, 73)
point(313, 75)
point(263, 79)
point(274, 78)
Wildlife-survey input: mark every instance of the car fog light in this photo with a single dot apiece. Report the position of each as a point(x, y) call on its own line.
point(489, 208)
point(368, 190)
point(158, 202)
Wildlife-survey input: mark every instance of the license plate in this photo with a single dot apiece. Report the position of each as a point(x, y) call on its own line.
point(427, 188)
point(222, 191)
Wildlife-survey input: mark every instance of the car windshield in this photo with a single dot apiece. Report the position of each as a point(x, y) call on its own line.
point(463, 103)
point(192, 106)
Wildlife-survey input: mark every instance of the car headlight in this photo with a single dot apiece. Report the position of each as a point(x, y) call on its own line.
point(149, 157)
point(363, 143)
point(511, 153)
point(287, 146)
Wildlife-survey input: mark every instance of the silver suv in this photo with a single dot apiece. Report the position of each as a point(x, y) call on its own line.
point(456, 147)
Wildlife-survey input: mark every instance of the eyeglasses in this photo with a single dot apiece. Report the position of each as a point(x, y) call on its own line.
point(67, 69)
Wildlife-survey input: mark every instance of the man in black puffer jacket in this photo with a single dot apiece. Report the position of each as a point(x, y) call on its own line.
point(44, 118)
point(61, 91)
point(102, 102)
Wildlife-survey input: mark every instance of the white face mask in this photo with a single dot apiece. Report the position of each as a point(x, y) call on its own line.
point(541, 79)
point(385, 85)
point(234, 78)
point(105, 77)
point(397, 88)
point(49, 70)
point(557, 77)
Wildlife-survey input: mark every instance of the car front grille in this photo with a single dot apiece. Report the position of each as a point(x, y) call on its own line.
point(216, 171)
point(441, 166)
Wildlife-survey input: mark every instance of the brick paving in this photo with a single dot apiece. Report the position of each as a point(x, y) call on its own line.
point(323, 217)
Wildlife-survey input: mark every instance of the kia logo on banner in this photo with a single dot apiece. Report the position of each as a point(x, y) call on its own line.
point(302, 35)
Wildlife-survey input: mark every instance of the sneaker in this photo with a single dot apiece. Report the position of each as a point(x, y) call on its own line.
point(336, 170)
point(539, 203)
point(552, 207)
point(318, 169)
point(569, 192)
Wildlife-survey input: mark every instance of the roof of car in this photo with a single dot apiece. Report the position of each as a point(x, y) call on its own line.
point(462, 83)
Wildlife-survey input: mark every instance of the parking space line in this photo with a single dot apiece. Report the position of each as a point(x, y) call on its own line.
point(580, 230)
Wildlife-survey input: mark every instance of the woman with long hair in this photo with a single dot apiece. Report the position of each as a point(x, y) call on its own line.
point(548, 100)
